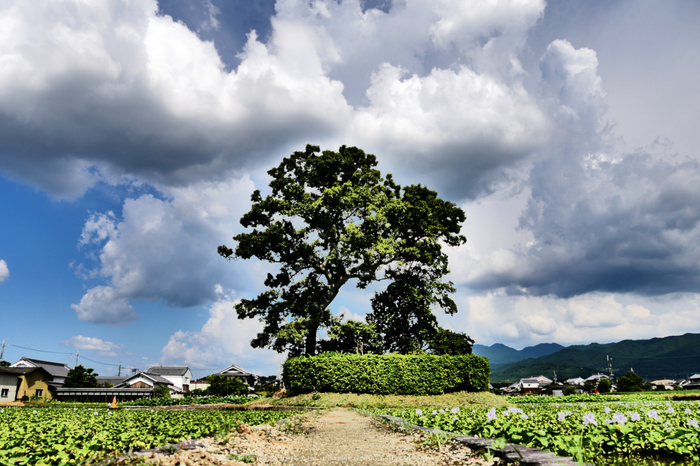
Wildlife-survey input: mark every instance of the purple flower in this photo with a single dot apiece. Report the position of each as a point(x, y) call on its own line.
point(589, 418)
point(455, 410)
point(607, 410)
point(619, 418)
point(562, 416)
point(634, 416)
point(491, 415)
point(693, 423)
point(419, 412)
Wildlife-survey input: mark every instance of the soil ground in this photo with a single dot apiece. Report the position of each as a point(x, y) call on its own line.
point(337, 437)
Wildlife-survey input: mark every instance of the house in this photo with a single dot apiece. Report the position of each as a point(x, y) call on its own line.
point(692, 383)
point(578, 381)
point(597, 377)
point(200, 384)
point(57, 370)
point(533, 385)
point(237, 371)
point(530, 385)
point(664, 384)
point(21, 383)
point(180, 376)
point(149, 381)
point(112, 380)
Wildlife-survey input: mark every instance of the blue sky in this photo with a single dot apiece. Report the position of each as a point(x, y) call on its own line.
point(135, 131)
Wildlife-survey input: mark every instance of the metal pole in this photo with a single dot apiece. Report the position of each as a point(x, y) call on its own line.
point(2, 353)
point(76, 358)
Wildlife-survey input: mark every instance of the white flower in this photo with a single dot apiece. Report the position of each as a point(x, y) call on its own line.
point(434, 412)
point(456, 410)
point(419, 412)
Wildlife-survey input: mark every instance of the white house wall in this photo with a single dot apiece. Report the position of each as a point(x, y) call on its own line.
point(8, 382)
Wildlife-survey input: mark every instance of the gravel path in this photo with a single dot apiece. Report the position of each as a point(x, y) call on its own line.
point(338, 437)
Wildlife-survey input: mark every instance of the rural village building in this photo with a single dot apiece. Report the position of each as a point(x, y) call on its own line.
point(18, 383)
point(57, 370)
point(237, 371)
point(180, 376)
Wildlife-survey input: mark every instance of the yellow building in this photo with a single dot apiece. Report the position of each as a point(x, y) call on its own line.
point(17, 383)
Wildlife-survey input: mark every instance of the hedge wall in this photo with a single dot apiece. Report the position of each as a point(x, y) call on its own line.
point(391, 374)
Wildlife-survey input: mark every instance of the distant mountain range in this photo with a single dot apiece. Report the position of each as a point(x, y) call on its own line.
point(675, 357)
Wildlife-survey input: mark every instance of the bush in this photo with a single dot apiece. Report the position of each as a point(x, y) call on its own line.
point(391, 374)
point(570, 390)
point(604, 386)
point(224, 386)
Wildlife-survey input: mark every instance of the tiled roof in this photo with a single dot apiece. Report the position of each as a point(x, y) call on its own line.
point(168, 370)
point(56, 369)
point(110, 379)
point(21, 370)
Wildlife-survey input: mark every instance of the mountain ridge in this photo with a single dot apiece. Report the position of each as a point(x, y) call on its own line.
point(674, 357)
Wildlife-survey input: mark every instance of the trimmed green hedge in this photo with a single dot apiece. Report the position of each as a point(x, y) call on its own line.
point(392, 374)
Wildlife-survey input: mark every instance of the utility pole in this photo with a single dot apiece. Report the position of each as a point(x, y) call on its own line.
point(2, 353)
point(76, 358)
point(555, 376)
point(119, 373)
point(610, 367)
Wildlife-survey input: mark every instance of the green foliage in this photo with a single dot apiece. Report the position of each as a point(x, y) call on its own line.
point(352, 337)
point(569, 390)
point(187, 400)
point(223, 386)
point(630, 383)
point(448, 342)
point(72, 436)
point(79, 376)
point(656, 358)
point(161, 391)
point(604, 386)
point(332, 218)
point(386, 374)
point(589, 431)
point(4, 363)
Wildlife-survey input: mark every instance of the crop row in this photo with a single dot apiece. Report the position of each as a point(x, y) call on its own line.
point(76, 436)
point(583, 430)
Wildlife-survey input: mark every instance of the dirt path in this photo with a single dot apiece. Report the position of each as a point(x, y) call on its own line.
point(338, 437)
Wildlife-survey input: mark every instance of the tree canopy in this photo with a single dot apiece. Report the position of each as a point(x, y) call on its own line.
point(332, 218)
point(81, 377)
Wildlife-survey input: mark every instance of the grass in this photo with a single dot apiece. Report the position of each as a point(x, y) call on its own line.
point(365, 401)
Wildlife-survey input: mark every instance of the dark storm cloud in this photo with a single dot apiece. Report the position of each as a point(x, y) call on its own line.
point(600, 220)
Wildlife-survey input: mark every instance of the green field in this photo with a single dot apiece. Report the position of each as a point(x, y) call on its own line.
point(586, 430)
point(72, 436)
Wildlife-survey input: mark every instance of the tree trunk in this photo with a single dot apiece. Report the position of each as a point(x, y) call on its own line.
point(311, 338)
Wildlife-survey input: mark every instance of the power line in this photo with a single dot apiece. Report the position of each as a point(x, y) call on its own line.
point(62, 352)
point(98, 362)
point(41, 351)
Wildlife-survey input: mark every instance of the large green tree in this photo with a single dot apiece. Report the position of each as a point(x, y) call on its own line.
point(332, 218)
point(79, 376)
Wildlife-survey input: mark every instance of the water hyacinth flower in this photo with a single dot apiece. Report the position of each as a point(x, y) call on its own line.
point(589, 418)
point(607, 410)
point(653, 414)
point(491, 415)
point(693, 423)
point(434, 412)
point(419, 412)
point(456, 410)
point(670, 410)
point(634, 416)
point(688, 411)
point(523, 416)
point(619, 418)
point(561, 415)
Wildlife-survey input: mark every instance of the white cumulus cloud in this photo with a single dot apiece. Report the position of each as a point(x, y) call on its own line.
point(4, 271)
point(102, 347)
point(223, 340)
